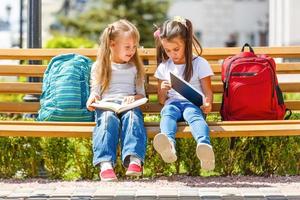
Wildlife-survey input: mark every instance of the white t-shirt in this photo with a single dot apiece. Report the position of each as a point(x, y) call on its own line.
point(201, 69)
point(122, 83)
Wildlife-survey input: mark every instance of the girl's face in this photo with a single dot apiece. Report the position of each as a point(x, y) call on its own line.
point(174, 48)
point(123, 48)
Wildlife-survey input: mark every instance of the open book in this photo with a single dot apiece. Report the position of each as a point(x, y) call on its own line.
point(116, 107)
point(186, 90)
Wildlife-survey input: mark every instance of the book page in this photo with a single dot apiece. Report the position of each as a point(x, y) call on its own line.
point(134, 104)
point(116, 107)
point(107, 105)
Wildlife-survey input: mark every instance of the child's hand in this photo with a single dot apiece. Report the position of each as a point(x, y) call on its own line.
point(93, 98)
point(165, 86)
point(206, 107)
point(128, 99)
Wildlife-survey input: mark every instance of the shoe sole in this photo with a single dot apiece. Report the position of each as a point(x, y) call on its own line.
point(109, 179)
point(162, 145)
point(206, 156)
point(132, 173)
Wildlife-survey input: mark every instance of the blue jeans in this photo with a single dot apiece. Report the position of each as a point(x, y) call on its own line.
point(128, 127)
point(184, 110)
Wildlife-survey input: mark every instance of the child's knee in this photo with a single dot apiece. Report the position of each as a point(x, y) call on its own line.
point(170, 110)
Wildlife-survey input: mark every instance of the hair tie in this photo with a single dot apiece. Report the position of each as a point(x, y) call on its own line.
point(180, 20)
point(110, 28)
point(156, 34)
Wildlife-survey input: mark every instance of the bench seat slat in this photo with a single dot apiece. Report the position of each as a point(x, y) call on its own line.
point(219, 123)
point(251, 128)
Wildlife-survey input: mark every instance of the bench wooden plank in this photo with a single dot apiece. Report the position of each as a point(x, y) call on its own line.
point(36, 88)
point(219, 123)
point(38, 70)
point(47, 54)
point(208, 53)
point(20, 88)
point(23, 70)
point(281, 68)
point(19, 107)
point(33, 107)
point(249, 129)
point(276, 52)
point(217, 87)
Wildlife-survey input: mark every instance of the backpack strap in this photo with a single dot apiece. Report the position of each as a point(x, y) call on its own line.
point(289, 111)
point(247, 45)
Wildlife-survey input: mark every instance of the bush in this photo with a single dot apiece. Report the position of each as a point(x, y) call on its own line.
point(69, 42)
point(72, 158)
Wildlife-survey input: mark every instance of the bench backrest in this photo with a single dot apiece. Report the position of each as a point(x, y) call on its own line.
point(10, 59)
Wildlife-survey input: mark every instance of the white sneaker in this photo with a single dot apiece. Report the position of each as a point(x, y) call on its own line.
point(206, 156)
point(165, 148)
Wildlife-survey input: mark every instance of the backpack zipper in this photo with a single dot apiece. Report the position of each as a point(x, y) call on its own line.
point(243, 73)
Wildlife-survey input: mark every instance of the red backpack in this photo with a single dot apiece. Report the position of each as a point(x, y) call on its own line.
point(251, 90)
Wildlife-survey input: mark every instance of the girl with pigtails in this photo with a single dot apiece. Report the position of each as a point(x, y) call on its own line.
point(174, 43)
point(118, 75)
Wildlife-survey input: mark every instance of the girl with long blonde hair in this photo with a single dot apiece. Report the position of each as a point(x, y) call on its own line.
point(118, 76)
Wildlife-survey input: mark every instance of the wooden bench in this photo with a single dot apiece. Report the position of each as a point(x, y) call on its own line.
point(84, 129)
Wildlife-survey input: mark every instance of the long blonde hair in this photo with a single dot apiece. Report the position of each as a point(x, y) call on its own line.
point(103, 65)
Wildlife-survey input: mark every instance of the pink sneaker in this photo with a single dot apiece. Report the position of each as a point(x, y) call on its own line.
point(108, 175)
point(134, 170)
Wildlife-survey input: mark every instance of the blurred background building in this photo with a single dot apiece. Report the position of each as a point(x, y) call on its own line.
point(216, 23)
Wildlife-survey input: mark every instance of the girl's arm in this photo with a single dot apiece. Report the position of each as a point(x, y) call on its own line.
point(94, 91)
point(207, 90)
point(162, 91)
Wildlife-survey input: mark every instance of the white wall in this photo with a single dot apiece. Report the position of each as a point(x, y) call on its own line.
point(218, 19)
point(284, 22)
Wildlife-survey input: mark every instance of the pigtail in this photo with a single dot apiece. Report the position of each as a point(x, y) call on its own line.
point(159, 51)
point(103, 65)
point(188, 72)
point(140, 69)
point(197, 46)
point(161, 55)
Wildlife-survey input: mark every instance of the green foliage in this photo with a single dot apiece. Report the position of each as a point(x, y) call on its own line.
point(83, 156)
point(69, 42)
point(19, 155)
point(71, 159)
point(11, 97)
point(93, 21)
point(291, 96)
point(57, 154)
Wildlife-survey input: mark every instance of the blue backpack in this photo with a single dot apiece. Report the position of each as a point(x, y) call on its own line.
point(66, 89)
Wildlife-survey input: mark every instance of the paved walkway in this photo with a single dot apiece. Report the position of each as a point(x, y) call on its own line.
point(171, 188)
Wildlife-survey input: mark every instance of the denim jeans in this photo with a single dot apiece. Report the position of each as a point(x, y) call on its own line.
point(180, 111)
point(127, 127)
